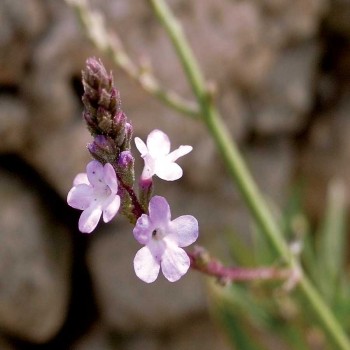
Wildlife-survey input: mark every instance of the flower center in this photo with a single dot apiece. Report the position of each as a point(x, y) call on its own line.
point(158, 234)
point(102, 192)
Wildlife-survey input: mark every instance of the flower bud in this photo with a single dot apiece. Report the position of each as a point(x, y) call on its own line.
point(125, 166)
point(126, 159)
point(101, 99)
point(128, 136)
point(103, 149)
point(119, 121)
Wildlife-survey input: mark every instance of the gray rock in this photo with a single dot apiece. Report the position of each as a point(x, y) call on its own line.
point(143, 341)
point(289, 22)
point(95, 339)
point(20, 24)
point(338, 17)
point(60, 155)
point(326, 155)
point(34, 265)
point(272, 165)
point(287, 96)
point(99, 338)
point(5, 345)
point(197, 334)
point(13, 124)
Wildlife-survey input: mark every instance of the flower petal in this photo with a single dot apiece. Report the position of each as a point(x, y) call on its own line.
point(95, 173)
point(110, 177)
point(89, 219)
point(80, 196)
point(181, 151)
point(148, 170)
point(158, 143)
point(159, 211)
point(141, 146)
point(175, 263)
point(168, 171)
point(110, 209)
point(81, 179)
point(184, 230)
point(146, 266)
point(143, 229)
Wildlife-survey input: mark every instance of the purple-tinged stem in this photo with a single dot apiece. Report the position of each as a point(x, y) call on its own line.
point(203, 262)
point(145, 191)
point(137, 208)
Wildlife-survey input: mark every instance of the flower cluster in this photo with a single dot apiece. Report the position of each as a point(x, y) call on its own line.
point(107, 187)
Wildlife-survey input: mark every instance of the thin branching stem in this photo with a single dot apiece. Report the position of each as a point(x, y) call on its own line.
point(204, 263)
point(110, 44)
point(239, 171)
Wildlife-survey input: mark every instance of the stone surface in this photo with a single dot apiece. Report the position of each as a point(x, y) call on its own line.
point(34, 265)
point(13, 124)
point(5, 345)
point(60, 154)
point(20, 25)
point(272, 164)
point(95, 339)
point(197, 334)
point(279, 68)
point(327, 155)
point(338, 17)
point(280, 107)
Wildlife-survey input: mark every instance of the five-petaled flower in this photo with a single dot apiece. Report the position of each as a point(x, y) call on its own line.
point(158, 160)
point(95, 192)
point(163, 240)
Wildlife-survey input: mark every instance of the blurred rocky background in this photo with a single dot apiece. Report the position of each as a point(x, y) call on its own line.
point(282, 69)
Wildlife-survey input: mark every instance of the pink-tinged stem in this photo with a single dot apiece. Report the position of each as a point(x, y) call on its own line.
point(145, 192)
point(137, 207)
point(203, 262)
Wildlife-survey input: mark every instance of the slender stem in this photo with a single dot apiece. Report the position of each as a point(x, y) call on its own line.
point(228, 149)
point(93, 23)
point(202, 262)
point(137, 210)
point(239, 171)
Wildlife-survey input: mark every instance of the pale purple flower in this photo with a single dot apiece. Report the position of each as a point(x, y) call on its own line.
point(158, 159)
point(95, 192)
point(163, 240)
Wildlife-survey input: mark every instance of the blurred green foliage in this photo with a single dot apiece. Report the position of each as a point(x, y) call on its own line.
point(265, 315)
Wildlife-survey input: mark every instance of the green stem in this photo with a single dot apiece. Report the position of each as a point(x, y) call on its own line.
point(239, 171)
point(228, 149)
point(93, 23)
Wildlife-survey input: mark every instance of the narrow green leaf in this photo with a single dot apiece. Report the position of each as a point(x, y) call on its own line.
point(331, 240)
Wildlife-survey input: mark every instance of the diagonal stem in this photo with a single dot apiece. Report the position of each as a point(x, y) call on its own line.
point(93, 23)
point(239, 171)
point(203, 262)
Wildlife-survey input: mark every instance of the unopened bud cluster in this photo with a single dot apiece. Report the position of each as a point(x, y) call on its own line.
point(108, 125)
point(103, 113)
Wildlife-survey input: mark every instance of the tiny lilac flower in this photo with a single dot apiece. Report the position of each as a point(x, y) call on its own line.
point(158, 160)
point(95, 192)
point(162, 239)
